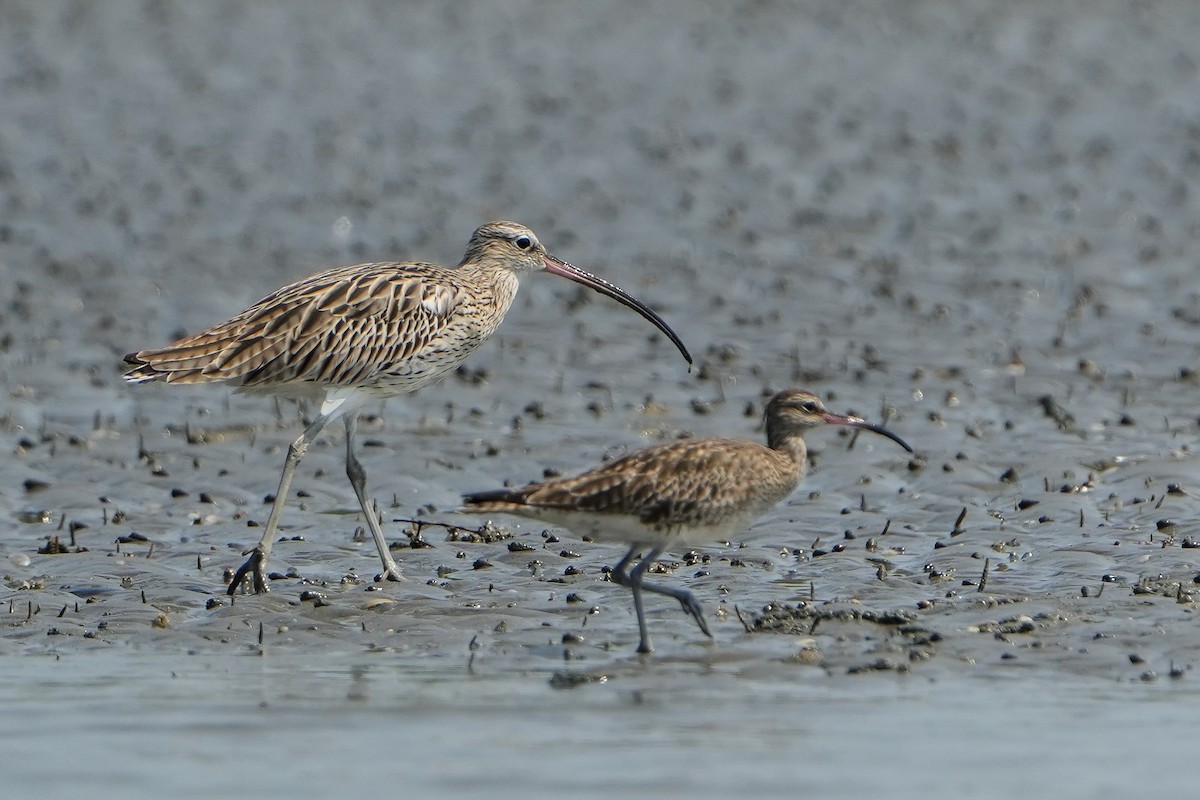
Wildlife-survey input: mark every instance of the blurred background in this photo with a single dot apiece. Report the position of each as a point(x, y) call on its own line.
point(163, 164)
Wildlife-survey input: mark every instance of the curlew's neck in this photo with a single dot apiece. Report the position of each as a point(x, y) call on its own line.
point(790, 444)
point(492, 289)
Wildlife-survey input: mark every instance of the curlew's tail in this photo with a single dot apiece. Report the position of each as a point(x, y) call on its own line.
point(143, 371)
point(181, 362)
point(496, 499)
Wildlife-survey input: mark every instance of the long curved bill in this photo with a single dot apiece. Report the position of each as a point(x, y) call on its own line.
point(862, 424)
point(573, 273)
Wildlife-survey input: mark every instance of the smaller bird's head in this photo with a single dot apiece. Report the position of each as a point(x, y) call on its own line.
point(794, 412)
point(512, 246)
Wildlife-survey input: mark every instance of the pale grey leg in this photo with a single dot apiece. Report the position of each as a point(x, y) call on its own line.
point(358, 479)
point(635, 584)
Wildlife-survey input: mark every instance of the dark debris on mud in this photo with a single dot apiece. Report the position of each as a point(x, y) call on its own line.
point(803, 617)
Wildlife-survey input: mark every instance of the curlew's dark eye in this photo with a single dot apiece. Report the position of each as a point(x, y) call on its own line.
point(808, 407)
point(523, 242)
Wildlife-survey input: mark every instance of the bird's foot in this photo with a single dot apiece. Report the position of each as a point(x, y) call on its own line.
point(254, 564)
point(686, 599)
point(692, 606)
point(392, 573)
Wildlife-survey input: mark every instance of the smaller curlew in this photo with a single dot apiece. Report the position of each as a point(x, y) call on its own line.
point(681, 493)
point(350, 334)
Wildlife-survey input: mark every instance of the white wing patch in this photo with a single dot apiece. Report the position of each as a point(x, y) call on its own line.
point(335, 399)
point(441, 300)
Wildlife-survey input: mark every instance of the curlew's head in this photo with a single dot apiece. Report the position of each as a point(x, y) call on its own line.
point(510, 245)
point(792, 413)
point(506, 244)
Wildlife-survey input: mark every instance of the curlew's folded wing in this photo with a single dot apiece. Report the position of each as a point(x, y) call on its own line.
point(680, 483)
point(339, 327)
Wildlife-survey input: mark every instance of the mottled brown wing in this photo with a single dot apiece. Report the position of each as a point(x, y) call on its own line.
point(339, 327)
point(682, 483)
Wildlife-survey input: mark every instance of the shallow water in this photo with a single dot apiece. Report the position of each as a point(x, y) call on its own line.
point(327, 723)
point(974, 220)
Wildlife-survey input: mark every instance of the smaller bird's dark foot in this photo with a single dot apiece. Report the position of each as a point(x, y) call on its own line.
point(686, 599)
point(692, 606)
point(254, 564)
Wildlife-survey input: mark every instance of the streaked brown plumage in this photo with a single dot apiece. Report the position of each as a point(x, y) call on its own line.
point(349, 334)
point(679, 493)
point(379, 327)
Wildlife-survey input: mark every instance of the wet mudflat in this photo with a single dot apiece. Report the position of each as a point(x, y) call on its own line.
point(975, 222)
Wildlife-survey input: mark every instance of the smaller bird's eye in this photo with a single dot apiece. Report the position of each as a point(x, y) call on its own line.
point(523, 242)
point(808, 407)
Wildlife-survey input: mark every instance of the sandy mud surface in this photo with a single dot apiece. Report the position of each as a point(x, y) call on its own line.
point(974, 220)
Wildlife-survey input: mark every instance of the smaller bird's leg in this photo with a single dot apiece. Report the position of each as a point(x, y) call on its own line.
point(358, 479)
point(258, 554)
point(634, 581)
point(619, 575)
point(686, 599)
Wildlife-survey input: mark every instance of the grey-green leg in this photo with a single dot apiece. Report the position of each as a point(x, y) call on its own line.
point(358, 479)
point(258, 554)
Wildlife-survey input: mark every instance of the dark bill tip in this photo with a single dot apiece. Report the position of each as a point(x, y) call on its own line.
point(862, 424)
point(596, 283)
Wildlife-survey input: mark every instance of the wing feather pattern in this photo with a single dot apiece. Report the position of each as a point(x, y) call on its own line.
point(678, 484)
point(339, 327)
